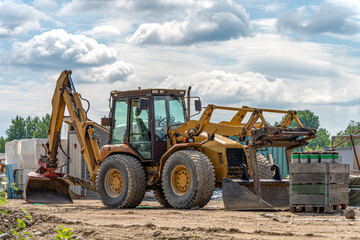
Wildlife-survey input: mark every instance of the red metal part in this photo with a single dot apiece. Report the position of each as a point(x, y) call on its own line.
point(353, 146)
point(48, 172)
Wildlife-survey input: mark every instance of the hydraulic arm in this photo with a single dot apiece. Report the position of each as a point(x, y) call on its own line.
point(46, 182)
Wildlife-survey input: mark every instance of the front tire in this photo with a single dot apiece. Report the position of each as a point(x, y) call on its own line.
point(160, 197)
point(188, 179)
point(121, 181)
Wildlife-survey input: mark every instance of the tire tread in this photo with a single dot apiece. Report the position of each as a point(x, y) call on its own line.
point(136, 177)
point(205, 175)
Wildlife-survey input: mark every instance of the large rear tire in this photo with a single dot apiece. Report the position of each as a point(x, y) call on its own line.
point(264, 167)
point(188, 179)
point(121, 181)
point(160, 197)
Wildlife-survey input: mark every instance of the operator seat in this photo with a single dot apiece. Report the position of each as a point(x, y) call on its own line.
point(143, 130)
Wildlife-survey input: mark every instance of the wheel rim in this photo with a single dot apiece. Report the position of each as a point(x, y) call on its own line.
point(180, 180)
point(113, 183)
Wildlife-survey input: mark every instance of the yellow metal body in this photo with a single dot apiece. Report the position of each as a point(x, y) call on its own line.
point(210, 138)
point(236, 126)
point(180, 180)
point(114, 183)
point(215, 149)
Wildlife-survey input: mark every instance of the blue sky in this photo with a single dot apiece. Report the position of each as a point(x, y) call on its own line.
point(269, 54)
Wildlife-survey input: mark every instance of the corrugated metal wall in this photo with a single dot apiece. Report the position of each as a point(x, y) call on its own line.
point(75, 167)
point(78, 167)
point(279, 157)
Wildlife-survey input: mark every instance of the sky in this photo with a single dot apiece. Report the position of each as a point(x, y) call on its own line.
point(279, 54)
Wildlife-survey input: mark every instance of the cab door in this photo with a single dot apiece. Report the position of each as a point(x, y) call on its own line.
point(169, 113)
point(139, 130)
point(160, 127)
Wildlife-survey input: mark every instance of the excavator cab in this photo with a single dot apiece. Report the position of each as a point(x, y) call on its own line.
point(142, 119)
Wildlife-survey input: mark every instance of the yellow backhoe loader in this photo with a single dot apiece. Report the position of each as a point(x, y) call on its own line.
point(153, 145)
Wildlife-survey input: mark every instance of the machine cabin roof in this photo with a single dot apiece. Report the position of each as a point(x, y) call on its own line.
point(148, 92)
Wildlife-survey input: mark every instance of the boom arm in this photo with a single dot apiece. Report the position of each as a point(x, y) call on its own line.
point(260, 131)
point(66, 95)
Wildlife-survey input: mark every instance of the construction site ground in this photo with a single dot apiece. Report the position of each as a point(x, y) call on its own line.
point(91, 220)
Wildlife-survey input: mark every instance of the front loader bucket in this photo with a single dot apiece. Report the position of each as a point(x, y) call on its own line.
point(237, 197)
point(40, 189)
point(240, 195)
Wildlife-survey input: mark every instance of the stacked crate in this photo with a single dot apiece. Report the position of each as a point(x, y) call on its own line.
point(317, 186)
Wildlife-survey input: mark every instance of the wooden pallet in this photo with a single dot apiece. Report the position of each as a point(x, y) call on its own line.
point(318, 187)
point(317, 209)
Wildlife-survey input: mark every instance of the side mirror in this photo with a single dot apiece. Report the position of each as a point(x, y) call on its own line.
point(143, 104)
point(198, 105)
point(106, 122)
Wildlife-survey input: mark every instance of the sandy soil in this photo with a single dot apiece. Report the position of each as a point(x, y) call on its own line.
point(91, 220)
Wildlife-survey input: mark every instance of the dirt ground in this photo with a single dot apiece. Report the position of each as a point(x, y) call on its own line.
point(91, 220)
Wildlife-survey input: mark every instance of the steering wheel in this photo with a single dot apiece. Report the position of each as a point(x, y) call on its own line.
point(162, 122)
point(172, 120)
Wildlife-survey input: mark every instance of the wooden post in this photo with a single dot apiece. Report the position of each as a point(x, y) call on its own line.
point(271, 159)
point(288, 157)
point(254, 172)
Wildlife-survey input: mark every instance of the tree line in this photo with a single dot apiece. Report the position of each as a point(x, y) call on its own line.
point(24, 128)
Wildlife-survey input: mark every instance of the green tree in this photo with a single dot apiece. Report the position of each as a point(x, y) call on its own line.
point(42, 127)
point(2, 144)
point(17, 129)
point(309, 119)
point(350, 129)
point(306, 117)
point(322, 140)
point(31, 126)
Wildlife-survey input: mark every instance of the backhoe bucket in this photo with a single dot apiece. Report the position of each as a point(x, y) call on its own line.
point(40, 189)
point(240, 195)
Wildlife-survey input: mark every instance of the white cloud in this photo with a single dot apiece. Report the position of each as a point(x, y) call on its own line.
point(222, 20)
point(274, 7)
point(79, 6)
point(16, 19)
point(103, 31)
point(35, 100)
point(45, 4)
point(325, 18)
point(171, 22)
point(57, 48)
point(353, 4)
point(220, 86)
point(257, 89)
point(109, 73)
point(282, 57)
point(264, 25)
point(113, 7)
point(274, 70)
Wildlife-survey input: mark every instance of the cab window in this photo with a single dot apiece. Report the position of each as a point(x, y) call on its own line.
point(118, 133)
point(169, 113)
point(140, 135)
